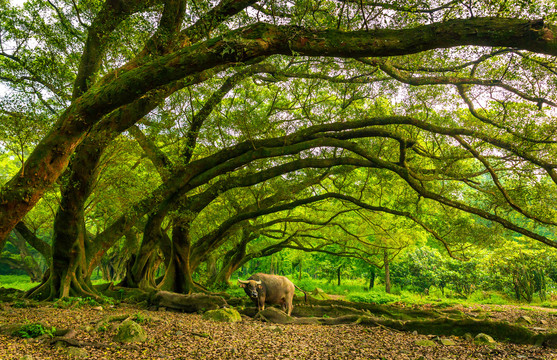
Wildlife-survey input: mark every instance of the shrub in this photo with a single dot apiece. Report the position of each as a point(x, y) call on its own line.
point(34, 330)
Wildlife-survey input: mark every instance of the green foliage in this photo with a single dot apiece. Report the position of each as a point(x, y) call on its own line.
point(426, 267)
point(140, 318)
point(521, 269)
point(33, 330)
point(102, 328)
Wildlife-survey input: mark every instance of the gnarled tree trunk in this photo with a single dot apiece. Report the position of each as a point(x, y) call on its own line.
point(141, 268)
point(178, 275)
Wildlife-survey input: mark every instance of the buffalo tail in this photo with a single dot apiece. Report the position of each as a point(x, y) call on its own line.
point(305, 294)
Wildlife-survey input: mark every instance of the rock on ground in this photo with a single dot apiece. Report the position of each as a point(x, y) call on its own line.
point(225, 315)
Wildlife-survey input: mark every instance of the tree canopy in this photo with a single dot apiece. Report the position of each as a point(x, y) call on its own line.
point(172, 131)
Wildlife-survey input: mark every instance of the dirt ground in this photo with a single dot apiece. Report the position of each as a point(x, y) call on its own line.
point(173, 335)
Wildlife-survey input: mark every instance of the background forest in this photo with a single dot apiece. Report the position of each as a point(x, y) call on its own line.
point(179, 145)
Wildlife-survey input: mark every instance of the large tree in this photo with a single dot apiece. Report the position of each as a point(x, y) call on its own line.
point(448, 102)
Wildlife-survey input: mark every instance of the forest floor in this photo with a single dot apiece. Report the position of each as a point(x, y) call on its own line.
point(173, 335)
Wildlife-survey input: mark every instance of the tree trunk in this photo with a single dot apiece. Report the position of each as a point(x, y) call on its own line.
point(211, 263)
point(40, 245)
point(178, 276)
point(27, 261)
point(223, 276)
point(387, 273)
point(271, 268)
point(233, 260)
point(338, 275)
point(141, 270)
point(371, 277)
point(69, 274)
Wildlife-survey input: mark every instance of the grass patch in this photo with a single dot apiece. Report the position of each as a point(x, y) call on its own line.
point(20, 282)
point(488, 298)
point(235, 290)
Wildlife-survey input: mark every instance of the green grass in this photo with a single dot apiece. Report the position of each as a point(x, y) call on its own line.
point(330, 287)
point(489, 298)
point(20, 282)
point(23, 282)
point(355, 290)
point(235, 290)
point(350, 290)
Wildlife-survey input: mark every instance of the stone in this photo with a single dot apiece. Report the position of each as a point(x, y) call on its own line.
point(223, 315)
point(484, 339)
point(526, 320)
point(319, 294)
point(130, 331)
point(98, 308)
point(179, 333)
point(425, 342)
point(544, 322)
point(468, 337)
point(447, 342)
point(77, 352)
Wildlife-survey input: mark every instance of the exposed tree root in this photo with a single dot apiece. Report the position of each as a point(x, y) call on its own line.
point(187, 303)
point(423, 321)
point(48, 292)
point(499, 330)
point(130, 295)
point(39, 292)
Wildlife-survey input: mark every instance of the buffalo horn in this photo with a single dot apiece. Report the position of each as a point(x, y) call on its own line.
point(243, 281)
point(258, 282)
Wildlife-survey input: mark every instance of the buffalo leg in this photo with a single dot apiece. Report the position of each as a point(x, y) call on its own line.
point(289, 306)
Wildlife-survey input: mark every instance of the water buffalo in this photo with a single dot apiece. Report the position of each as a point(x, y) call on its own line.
point(271, 289)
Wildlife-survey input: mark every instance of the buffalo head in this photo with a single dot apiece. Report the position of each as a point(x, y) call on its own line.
point(251, 287)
